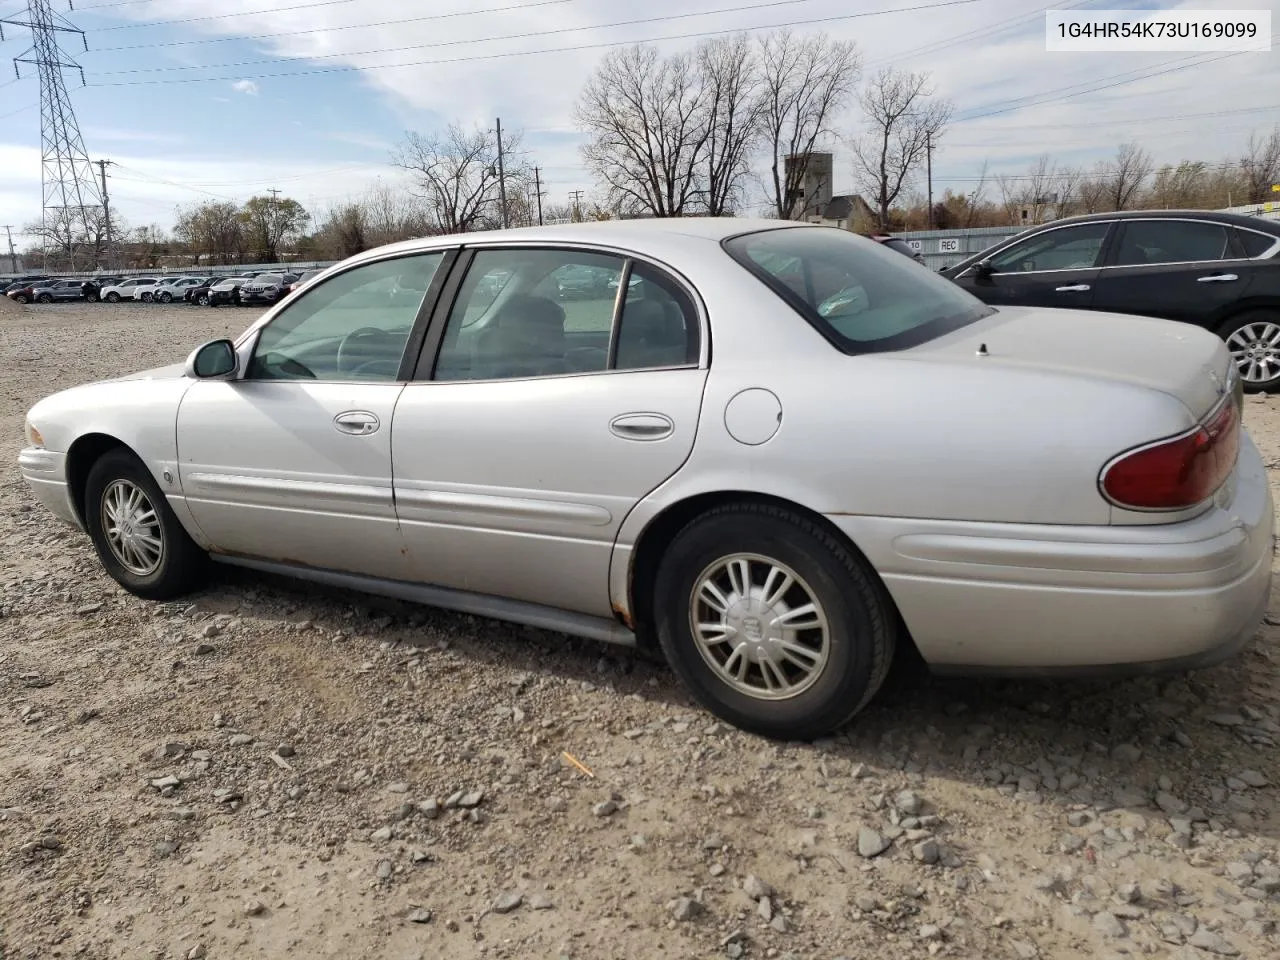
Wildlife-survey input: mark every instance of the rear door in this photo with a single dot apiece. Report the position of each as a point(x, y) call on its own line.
point(1174, 268)
point(1052, 268)
point(547, 416)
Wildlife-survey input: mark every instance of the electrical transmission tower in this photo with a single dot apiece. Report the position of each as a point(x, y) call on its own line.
point(72, 213)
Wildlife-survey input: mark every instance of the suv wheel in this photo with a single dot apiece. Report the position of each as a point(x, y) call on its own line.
point(113, 297)
point(165, 297)
point(44, 298)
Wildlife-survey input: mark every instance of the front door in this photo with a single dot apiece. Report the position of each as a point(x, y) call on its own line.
point(555, 405)
point(1054, 268)
point(1188, 270)
point(292, 462)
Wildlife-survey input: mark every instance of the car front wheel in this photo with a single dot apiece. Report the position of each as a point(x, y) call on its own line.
point(165, 297)
point(137, 536)
point(21, 298)
point(44, 298)
point(145, 298)
point(772, 622)
point(1253, 337)
point(113, 297)
point(203, 300)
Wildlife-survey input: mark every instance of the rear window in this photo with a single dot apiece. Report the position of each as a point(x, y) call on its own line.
point(860, 296)
point(1255, 244)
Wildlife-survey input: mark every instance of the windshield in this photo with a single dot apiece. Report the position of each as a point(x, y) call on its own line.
point(267, 279)
point(858, 294)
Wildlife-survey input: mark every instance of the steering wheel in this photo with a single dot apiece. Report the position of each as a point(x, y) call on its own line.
point(348, 342)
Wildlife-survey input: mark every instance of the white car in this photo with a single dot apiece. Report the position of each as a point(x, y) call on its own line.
point(788, 454)
point(128, 289)
point(175, 289)
point(146, 292)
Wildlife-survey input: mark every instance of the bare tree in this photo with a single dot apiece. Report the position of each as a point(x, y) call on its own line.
point(1180, 186)
point(902, 122)
point(1260, 166)
point(805, 81)
point(731, 81)
point(647, 125)
point(1068, 190)
point(1029, 198)
point(456, 174)
point(1126, 175)
point(1092, 190)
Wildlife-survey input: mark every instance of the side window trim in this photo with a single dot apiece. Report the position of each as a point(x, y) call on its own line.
point(429, 354)
point(252, 337)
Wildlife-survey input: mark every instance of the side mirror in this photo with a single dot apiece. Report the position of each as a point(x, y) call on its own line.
point(216, 360)
point(983, 269)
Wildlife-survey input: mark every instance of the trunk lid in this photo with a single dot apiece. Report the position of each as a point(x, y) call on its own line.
point(1183, 361)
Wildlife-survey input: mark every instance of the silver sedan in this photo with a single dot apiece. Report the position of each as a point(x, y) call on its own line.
point(779, 452)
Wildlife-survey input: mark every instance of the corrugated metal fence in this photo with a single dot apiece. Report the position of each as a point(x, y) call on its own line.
point(942, 248)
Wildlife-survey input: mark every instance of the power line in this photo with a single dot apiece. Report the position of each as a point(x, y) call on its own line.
point(218, 16)
point(349, 26)
point(937, 4)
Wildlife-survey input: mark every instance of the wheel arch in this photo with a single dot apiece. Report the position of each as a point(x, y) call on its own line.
point(81, 456)
point(661, 531)
point(1223, 326)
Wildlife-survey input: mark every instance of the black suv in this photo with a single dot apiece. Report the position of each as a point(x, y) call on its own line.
point(1220, 271)
point(267, 287)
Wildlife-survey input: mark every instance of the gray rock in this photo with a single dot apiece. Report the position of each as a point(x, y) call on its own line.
point(865, 902)
point(1226, 719)
point(871, 843)
point(717, 870)
point(733, 950)
point(1071, 843)
point(286, 750)
point(198, 952)
point(205, 649)
point(254, 908)
point(1109, 925)
point(1024, 950)
point(164, 849)
point(1205, 939)
point(381, 835)
point(764, 909)
point(1129, 893)
point(398, 787)
point(429, 808)
point(685, 908)
point(755, 888)
point(384, 869)
point(1079, 818)
point(240, 740)
point(557, 804)
point(1253, 778)
point(539, 902)
point(1126, 753)
point(1170, 804)
point(605, 809)
point(929, 932)
point(927, 851)
point(713, 842)
point(420, 915)
point(88, 608)
point(908, 803)
point(507, 901)
point(472, 799)
point(779, 924)
point(451, 801)
point(1239, 871)
point(210, 631)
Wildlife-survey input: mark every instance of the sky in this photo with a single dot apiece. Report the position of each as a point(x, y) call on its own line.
point(311, 96)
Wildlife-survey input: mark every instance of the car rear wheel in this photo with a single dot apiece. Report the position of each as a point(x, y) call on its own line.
point(44, 298)
point(113, 297)
point(773, 623)
point(1253, 337)
point(137, 536)
point(203, 300)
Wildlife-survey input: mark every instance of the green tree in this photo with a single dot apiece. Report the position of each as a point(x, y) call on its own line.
point(270, 222)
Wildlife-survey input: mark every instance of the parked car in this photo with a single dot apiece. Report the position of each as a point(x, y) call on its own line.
point(1219, 271)
point(227, 291)
point(47, 291)
point(176, 289)
point(1003, 489)
point(92, 288)
point(21, 292)
point(147, 292)
point(199, 294)
point(898, 244)
point(585, 283)
point(18, 283)
point(303, 278)
point(128, 289)
point(266, 287)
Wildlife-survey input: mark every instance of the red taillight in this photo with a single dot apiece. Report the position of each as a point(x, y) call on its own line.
point(1180, 472)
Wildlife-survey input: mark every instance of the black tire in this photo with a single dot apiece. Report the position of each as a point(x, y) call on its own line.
point(165, 297)
point(145, 298)
point(44, 298)
point(181, 564)
point(90, 298)
point(113, 297)
point(21, 298)
point(861, 625)
point(1240, 333)
point(202, 300)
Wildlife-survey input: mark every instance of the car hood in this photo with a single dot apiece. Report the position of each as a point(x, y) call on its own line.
point(173, 371)
point(1178, 359)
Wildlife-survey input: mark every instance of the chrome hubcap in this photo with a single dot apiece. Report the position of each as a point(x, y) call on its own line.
point(1255, 347)
point(759, 626)
point(132, 527)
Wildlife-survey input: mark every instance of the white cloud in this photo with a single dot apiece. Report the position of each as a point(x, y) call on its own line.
point(247, 87)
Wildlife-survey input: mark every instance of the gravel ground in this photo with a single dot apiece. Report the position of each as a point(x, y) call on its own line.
point(270, 769)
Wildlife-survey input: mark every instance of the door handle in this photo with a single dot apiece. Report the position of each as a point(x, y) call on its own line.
point(642, 426)
point(1074, 288)
point(1217, 278)
point(359, 423)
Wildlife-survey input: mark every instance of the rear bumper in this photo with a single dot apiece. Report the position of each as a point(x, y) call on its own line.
point(1030, 599)
point(45, 473)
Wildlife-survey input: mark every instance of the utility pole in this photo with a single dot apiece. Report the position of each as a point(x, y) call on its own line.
point(106, 202)
point(928, 162)
point(502, 179)
point(13, 257)
point(537, 189)
point(575, 197)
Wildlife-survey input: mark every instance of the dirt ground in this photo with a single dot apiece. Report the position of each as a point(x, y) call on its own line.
point(272, 770)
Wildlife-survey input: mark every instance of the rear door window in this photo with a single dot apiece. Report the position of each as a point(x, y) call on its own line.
point(1148, 242)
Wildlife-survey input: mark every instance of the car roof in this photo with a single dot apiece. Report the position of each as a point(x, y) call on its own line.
point(1234, 219)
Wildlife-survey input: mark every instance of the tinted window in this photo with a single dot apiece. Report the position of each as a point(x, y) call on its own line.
point(353, 326)
point(1067, 248)
point(860, 295)
point(900, 246)
point(1170, 241)
point(659, 326)
point(1255, 244)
